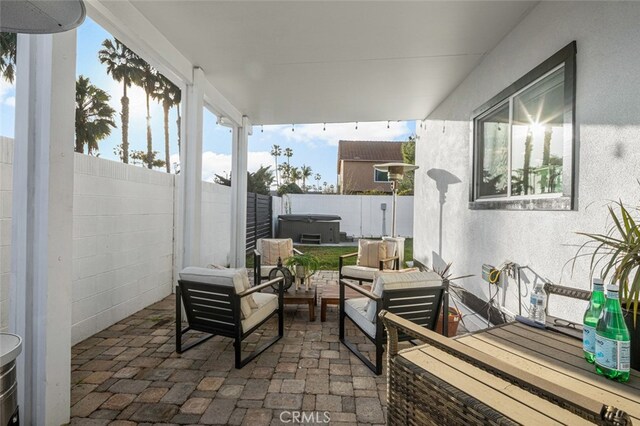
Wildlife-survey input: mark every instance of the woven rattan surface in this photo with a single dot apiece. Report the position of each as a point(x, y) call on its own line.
point(431, 386)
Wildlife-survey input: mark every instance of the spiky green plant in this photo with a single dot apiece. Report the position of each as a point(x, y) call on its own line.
point(310, 262)
point(618, 251)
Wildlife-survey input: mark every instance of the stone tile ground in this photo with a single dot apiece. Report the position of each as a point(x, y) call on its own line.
point(130, 374)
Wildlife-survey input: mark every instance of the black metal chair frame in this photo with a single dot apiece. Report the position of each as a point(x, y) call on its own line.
point(217, 313)
point(257, 258)
point(341, 259)
point(394, 301)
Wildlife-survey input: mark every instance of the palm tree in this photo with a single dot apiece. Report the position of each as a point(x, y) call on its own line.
point(123, 65)
point(306, 173)
point(94, 116)
point(285, 171)
point(318, 178)
point(147, 80)
point(169, 95)
point(288, 152)
point(8, 43)
point(276, 152)
point(295, 174)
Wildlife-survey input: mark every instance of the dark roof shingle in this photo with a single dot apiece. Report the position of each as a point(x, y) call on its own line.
point(388, 151)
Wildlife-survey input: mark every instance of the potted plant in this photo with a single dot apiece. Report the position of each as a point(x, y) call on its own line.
point(618, 251)
point(303, 266)
point(454, 316)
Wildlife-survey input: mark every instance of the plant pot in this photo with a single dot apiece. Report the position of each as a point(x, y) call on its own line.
point(635, 336)
point(452, 326)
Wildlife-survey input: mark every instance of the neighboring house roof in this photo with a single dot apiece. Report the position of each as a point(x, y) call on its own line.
point(384, 152)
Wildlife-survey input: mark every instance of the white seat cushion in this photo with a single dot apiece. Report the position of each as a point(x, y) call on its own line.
point(267, 304)
point(399, 280)
point(359, 272)
point(236, 278)
point(355, 309)
point(265, 269)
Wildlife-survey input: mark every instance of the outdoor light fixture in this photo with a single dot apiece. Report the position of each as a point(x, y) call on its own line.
point(395, 173)
point(41, 16)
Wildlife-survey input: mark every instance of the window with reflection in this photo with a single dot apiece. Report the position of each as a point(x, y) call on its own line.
point(523, 146)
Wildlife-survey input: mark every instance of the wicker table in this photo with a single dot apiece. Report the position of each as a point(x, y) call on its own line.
point(510, 374)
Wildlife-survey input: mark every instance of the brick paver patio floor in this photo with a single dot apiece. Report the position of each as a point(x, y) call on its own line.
point(130, 374)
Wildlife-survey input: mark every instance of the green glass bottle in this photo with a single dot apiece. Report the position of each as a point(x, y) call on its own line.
point(613, 342)
point(591, 317)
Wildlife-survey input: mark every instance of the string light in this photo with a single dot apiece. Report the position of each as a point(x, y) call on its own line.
point(293, 128)
point(324, 127)
point(387, 124)
point(261, 129)
point(356, 125)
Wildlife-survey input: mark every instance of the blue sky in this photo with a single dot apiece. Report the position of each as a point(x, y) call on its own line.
point(312, 145)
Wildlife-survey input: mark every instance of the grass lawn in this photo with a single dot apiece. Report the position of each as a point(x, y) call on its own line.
point(328, 255)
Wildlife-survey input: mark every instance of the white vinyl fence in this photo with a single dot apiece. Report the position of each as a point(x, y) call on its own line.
point(362, 215)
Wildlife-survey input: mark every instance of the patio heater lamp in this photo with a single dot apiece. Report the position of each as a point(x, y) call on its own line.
point(395, 173)
point(41, 16)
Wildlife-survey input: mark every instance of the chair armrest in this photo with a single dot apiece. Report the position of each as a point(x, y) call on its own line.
point(382, 262)
point(360, 290)
point(259, 287)
point(344, 256)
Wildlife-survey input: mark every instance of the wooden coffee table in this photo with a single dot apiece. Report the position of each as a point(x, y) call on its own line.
point(300, 297)
point(331, 296)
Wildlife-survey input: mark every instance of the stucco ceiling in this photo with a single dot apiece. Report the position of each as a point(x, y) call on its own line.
point(334, 61)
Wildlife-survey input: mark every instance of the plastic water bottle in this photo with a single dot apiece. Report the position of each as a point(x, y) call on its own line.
point(591, 317)
point(538, 303)
point(613, 342)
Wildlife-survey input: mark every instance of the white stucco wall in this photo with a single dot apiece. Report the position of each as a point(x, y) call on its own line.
point(122, 242)
point(608, 124)
point(6, 171)
point(216, 224)
point(361, 214)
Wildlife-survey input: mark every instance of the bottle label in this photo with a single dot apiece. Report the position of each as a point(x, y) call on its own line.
point(589, 339)
point(537, 300)
point(598, 287)
point(613, 354)
point(612, 294)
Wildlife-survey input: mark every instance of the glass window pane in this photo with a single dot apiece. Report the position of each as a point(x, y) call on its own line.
point(538, 136)
point(381, 176)
point(493, 152)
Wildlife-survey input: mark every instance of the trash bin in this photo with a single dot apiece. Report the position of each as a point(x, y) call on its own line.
point(10, 348)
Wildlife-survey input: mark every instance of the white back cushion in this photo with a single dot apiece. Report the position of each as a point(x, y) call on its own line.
point(236, 278)
point(273, 248)
point(394, 280)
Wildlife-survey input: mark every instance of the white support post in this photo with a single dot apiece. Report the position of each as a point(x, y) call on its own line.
point(191, 171)
point(239, 154)
point(42, 224)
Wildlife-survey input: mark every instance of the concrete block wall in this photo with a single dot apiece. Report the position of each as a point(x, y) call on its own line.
point(122, 242)
point(361, 214)
point(6, 172)
point(216, 225)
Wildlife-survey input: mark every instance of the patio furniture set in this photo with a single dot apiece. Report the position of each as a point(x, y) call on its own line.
point(510, 374)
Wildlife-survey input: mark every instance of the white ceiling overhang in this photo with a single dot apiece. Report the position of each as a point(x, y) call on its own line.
point(322, 61)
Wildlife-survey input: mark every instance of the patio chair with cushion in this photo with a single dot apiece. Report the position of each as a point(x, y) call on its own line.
point(373, 256)
point(221, 302)
point(414, 295)
point(267, 253)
